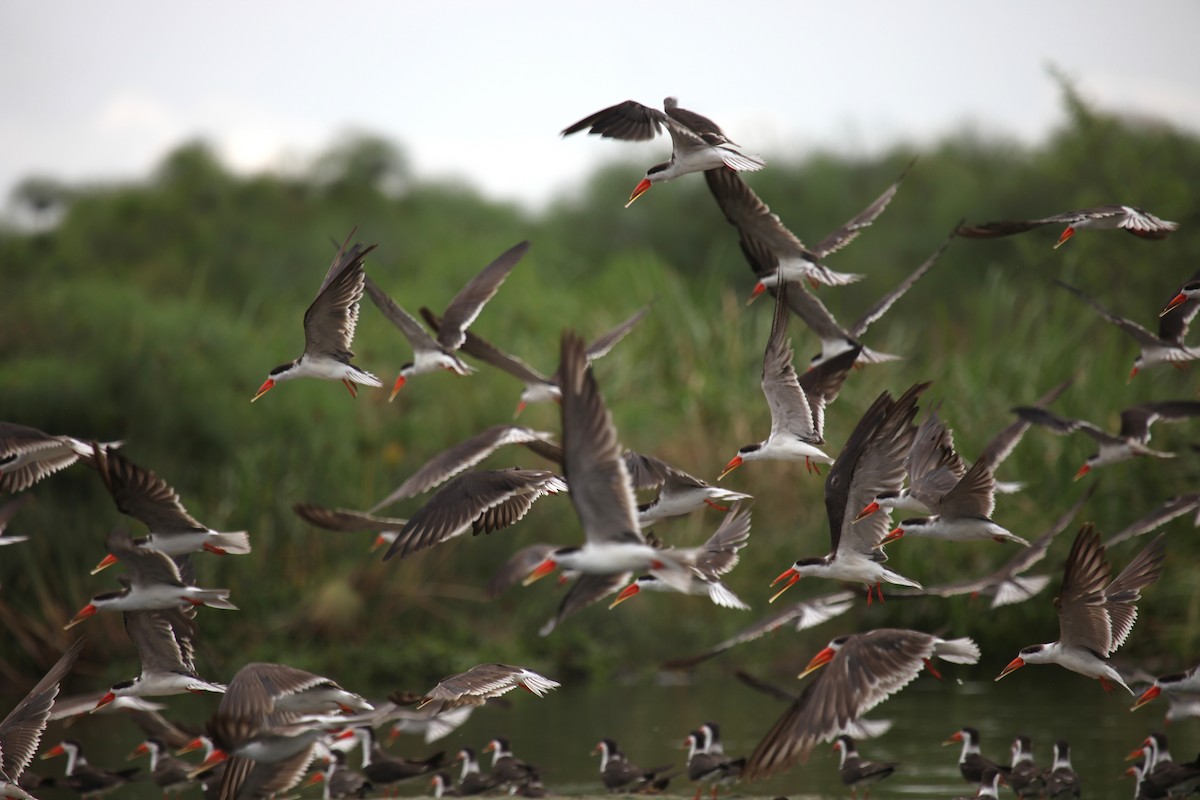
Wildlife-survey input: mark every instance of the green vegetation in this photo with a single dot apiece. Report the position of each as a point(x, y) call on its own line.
point(150, 312)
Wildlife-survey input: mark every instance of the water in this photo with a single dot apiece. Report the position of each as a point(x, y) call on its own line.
point(559, 732)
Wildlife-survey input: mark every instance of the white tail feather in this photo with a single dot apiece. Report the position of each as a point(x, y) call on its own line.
point(214, 598)
point(957, 651)
point(236, 543)
point(740, 161)
point(898, 579)
point(720, 594)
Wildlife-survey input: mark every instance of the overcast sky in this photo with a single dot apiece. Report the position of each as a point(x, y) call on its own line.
point(479, 90)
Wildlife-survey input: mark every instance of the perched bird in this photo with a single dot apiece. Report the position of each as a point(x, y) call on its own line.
point(383, 770)
point(1025, 777)
point(802, 615)
point(84, 778)
point(971, 762)
point(1129, 441)
point(169, 773)
point(141, 494)
point(471, 781)
point(341, 781)
point(1140, 223)
point(21, 730)
point(871, 462)
point(430, 354)
point(797, 404)
point(164, 640)
point(697, 144)
point(855, 771)
point(483, 682)
point(774, 252)
point(463, 456)
point(1095, 615)
point(154, 582)
point(706, 766)
point(619, 774)
point(329, 325)
point(708, 563)
point(27, 455)
point(989, 785)
point(538, 388)
point(1062, 782)
point(1165, 347)
point(864, 670)
point(507, 769)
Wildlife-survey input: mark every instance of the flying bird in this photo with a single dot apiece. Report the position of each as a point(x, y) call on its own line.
point(27, 455)
point(431, 354)
point(697, 144)
point(329, 325)
point(1095, 614)
point(1140, 223)
point(483, 682)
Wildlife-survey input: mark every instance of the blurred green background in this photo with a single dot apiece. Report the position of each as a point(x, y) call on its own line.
point(151, 311)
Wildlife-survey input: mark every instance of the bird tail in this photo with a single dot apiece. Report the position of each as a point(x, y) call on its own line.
point(214, 598)
point(364, 377)
point(236, 543)
point(741, 162)
point(721, 594)
point(957, 651)
point(891, 576)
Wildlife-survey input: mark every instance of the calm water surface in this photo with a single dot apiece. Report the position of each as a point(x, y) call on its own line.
point(649, 723)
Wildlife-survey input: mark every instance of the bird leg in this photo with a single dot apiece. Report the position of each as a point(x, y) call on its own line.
point(932, 670)
point(711, 504)
point(714, 791)
point(699, 789)
point(350, 386)
point(1107, 685)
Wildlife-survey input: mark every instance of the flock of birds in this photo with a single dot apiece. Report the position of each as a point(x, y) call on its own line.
point(275, 722)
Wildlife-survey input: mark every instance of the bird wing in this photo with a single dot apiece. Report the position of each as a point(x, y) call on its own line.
point(53, 453)
point(1136, 420)
point(1172, 508)
point(1062, 425)
point(823, 383)
point(330, 321)
point(846, 234)
point(692, 126)
point(592, 457)
point(805, 614)
point(21, 731)
point(482, 682)
point(417, 337)
point(647, 472)
point(719, 554)
point(973, 496)
point(584, 591)
point(934, 467)
point(1143, 337)
point(760, 230)
point(884, 303)
point(139, 493)
point(146, 566)
point(1082, 619)
point(865, 671)
point(453, 509)
point(1004, 442)
point(477, 347)
point(1125, 590)
point(462, 456)
point(256, 688)
point(344, 520)
point(602, 344)
point(470, 300)
point(629, 121)
point(163, 640)
point(791, 411)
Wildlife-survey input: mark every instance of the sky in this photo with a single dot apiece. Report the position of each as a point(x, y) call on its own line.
point(478, 91)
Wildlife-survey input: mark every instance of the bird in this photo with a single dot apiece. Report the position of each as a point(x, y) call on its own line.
point(82, 777)
point(989, 784)
point(600, 487)
point(463, 456)
point(971, 762)
point(384, 770)
point(340, 781)
point(164, 640)
point(329, 325)
point(1009, 584)
point(871, 462)
point(1062, 781)
point(697, 144)
point(730, 770)
point(864, 670)
point(483, 682)
point(964, 514)
point(619, 774)
point(22, 728)
point(797, 404)
point(349, 521)
point(154, 582)
point(27, 455)
point(507, 769)
point(169, 773)
point(708, 563)
point(855, 771)
point(1129, 441)
point(1162, 776)
point(1170, 509)
point(1187, 299)
point(1025, 777)
point(538, 388)
point(1187, 682)
point(1095, 615)
point(7, 512)
point(704, 766)
point(482, 501)
point(803, 615)
point(1165, 347)
point(1140, 223)
point(139, 493)
point(471, 781)
point(430, 354)
point(773, 251)
point(679, 492)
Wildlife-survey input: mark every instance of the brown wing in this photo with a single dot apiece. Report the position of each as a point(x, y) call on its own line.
point(21, 731)
point(53, 453)
point(629, 121)
point(330, 321)
point(823, 383)
point(478, 347)
point(141, 494)
point(933, 465)
point(865, 671)
point(254, 690)
point(337, 519)
point(163, 639)
point(719, 554)
point(469, 301)
point(583, 592)
point(846, 234)
point(1003, 443)
point(973, 496)
point(1082, 619)
point(1125, 590)
point(791, 409)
